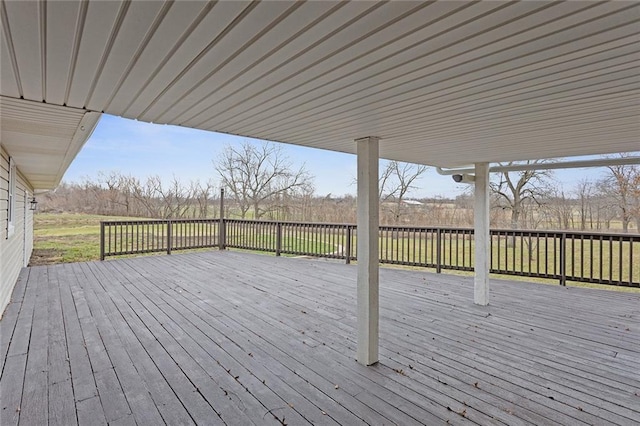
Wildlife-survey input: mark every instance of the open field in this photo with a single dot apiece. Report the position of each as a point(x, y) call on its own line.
point(64, 238)
point(61, 238)
point(67, 237)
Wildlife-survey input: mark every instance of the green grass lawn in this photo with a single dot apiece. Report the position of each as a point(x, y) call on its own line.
point(60, 238)
point(63, 238)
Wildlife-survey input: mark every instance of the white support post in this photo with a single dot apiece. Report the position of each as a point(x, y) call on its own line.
point(481, 235)
point(368, 223)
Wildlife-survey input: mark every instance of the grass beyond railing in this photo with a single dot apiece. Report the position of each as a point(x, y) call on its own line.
point(563, 256)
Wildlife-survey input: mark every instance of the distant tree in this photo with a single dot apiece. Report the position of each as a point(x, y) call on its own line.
point(517, 190)
point(203, 194)
point(257, 174)
point(584, 192)
point(622, 185)
point(559, 209)
point(396, 181)
point(115, 193)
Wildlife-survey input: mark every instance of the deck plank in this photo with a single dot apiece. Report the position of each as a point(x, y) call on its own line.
point(261, 372)
point(389, 379)
point(145, 384)
point(184, 346)
point(341, 369)
point(12, 381)
point(9, 317)
point(542, 398)
point(136, 394)
point(35, 395)
point(233, 338)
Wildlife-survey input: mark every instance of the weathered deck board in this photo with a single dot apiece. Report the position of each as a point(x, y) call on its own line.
point(235, 338)
point(340, 345)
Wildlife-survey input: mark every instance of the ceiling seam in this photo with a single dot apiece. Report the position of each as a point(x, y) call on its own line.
point(234, 55)
point(122, 12)
point(470, 61)
point(246, 11)
point(458, 134)
point(589, 88)
point(430, 53)
point(453, 102)
point(330, 12)
point(139, 51)
point(11, 47)
point(465, 118)
point(315, 44)
point(183, 37)
point(394, 88)
point(311, 47)
point(547, 130)
point(437, 93)
point(75, 50)
point(43, 46)
point(451, 13)
point(512, 121)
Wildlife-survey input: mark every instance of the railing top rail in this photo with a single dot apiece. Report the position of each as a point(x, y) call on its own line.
point(605, 258)
point(568, 233)
point(158, 221)
point(546, 232)
point(291, 222)
point(123, 222)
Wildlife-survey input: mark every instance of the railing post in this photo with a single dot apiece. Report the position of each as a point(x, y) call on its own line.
point(222, 238)
point(169, 238)
point(278, 238)
point(563, 259)
point(348, 246)
point(101, 240)
point(439, 251)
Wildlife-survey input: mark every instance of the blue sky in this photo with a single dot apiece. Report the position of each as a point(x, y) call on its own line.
point(143, 149)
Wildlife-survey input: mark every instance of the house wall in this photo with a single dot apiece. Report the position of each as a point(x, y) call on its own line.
point(15, 249)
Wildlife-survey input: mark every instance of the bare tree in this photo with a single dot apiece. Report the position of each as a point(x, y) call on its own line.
point(584, 192)
point(516, 190)
point(257, 174)
point(396, 181)
point(203, 194)
point(559, 209)
point(622, 185)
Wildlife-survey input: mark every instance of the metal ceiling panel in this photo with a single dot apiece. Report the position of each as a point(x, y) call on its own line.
point(177, 26)
point(60, 45)
point(442, 83)
point(43, 139)
point(96, 30)
point(23, 23)
point(184, 53)
point(8, 81)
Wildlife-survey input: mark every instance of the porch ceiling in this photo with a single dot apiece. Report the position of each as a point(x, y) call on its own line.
point(43, 139)
point(442, 83)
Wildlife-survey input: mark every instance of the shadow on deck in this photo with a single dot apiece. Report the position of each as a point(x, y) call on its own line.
point(236, 338)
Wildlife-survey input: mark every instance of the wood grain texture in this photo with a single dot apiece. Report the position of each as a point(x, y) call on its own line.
point(233, 338)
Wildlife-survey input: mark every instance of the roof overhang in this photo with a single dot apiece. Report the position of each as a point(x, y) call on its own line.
point(442, 83)
point(43, 139)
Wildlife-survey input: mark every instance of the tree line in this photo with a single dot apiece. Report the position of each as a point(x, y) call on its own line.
point(261, 182)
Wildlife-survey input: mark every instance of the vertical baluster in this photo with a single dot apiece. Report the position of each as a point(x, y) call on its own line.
point(620, 273)
point(348, 244)
point(102, 240)
point(439, 251)
point(563, 259)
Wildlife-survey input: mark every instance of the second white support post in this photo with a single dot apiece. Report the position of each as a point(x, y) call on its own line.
point(481, 234)
point(367, 240)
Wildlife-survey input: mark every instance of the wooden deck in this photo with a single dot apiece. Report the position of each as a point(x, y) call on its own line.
point(239, 339)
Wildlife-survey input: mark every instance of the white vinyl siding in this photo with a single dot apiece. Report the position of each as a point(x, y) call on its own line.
point(11, 206)
point(15, 246)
